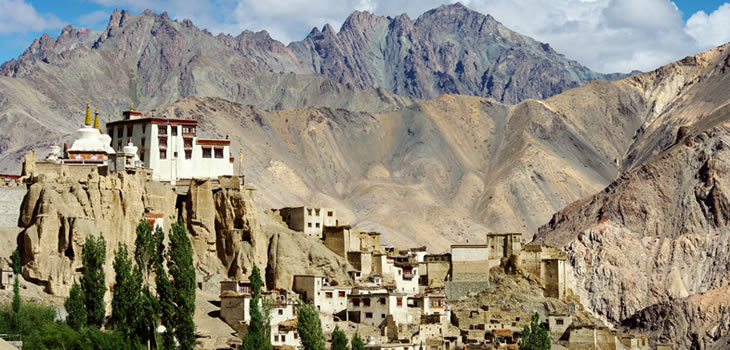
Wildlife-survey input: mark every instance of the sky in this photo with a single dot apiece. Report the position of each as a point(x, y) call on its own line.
point(605, 35)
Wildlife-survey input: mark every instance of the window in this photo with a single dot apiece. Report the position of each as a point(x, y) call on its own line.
point(559, 321)
point(188, 142)
point(163, 141)
point(163, 154)
point(368, 315)
point(143, 141)
point(281, 312)
point(309, 224)
point(316, 211)
point(188, 154)
point(119, 145)
point(317, 225)
point(129, 130)
point(144, 127)
point(329, 213)
point(162, 129)
point(219, 153)
point(296, 335)
point(173, 130)
point(141, 155)
point(328, 295)
point(382, 315)
point(382, 301)
point(206, 152)
point(119, 131)
point(356, 302)
point(283, 338)
point(276, 338)
point(341, 294)
point(189, 130)
point(366, 302)
point(309, 212)
point(399, 301)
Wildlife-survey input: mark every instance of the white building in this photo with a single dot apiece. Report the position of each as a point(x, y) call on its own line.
point(315, 290)
point(374, 308)
point(171, 148)
point(310, 220)
point(405, 276)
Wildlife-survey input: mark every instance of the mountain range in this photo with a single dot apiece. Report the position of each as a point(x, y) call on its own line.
point(433, 132)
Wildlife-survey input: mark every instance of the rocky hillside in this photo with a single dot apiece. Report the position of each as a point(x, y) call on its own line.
point(659, 232)
point(64, 206)
point(450, 49)
point(701, 321)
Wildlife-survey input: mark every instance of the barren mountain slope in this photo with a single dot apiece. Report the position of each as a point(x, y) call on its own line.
point(658, 232)
point(701, 321)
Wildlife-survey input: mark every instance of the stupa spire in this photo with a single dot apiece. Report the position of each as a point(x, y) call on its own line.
point(88, 113)
point(96, 119)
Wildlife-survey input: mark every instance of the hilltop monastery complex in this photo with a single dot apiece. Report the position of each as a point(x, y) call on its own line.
point(397, 298)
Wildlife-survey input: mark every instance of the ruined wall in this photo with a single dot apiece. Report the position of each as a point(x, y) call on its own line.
point(470, 263)
point(337, 240)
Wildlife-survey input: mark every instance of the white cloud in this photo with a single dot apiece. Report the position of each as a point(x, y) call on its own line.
point(16, 16)
point(92, 19)
point(712, 29)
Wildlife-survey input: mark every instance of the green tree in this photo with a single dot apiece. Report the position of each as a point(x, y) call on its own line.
point(75, 307)
point(534, 336)
point(16, 290)
point(126, 299)
point(339, 340)
point(182, 272)
point(93, 256)
point(357, 343)
point(257, 336)
point(309, 327)
point(145, 249)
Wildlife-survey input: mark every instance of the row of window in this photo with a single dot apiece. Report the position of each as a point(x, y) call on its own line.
point(366, 301)
point(340, 294)
point(162, 130)
point(189, 154)
point(283, 337)
point(316, 212)
point(309, 224)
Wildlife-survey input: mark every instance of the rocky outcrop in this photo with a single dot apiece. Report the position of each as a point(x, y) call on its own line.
point(450, 49)
point(701, 321)
point(64, 205)
point(657, 233)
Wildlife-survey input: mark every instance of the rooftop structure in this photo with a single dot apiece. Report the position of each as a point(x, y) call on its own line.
point(171, 147)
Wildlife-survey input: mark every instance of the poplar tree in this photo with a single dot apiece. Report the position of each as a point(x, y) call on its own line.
point(257, 336)
point(16, 290)
point(339, 340)
point(309, 327)
point(93, 256)
point(535, 336)
point(357, 343)
point(182, 272)
point(145, 250)
point(126, 300)
point(75, 308)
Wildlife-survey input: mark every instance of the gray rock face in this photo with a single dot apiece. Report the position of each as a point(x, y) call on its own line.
point(659, 232)
point(450, 49)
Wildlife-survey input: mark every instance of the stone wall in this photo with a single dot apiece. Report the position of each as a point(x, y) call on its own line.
point(458, 289)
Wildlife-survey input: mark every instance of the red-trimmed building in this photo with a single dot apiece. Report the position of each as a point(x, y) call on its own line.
point(171, 148)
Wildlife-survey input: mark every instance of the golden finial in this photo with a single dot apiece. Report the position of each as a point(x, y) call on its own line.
point(131, 107)
point(88, 114)
point(96, 119)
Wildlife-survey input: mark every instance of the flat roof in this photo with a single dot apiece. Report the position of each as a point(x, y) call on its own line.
point(152, 120)
point(469, 246)
point(213, 142)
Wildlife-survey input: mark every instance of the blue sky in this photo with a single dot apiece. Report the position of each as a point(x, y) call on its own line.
point(605, 35)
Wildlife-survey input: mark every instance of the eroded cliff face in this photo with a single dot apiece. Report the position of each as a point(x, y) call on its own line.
point(64, 206)
point(659, 232)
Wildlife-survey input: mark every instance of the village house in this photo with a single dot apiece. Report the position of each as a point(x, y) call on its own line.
point(7, 276)
point(307, 219)
point(548, 265)
point(435, 270)
point(285, 335)
point(235, 304)
point(374, 308)
point(326, 298)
